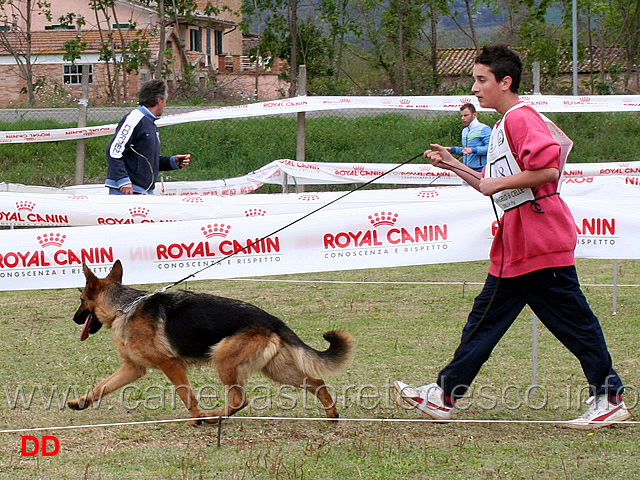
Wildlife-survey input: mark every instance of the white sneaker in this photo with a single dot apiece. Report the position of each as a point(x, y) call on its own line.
point(429, 399)
point(601, 413)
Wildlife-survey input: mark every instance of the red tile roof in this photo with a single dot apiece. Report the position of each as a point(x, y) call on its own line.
point(459, 61)
point(51, 42)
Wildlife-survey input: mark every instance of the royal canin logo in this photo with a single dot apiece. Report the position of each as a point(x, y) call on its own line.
point(78, 197)
point(579, 101)
point(24, 214)
point(620, 170)
point(381, 237)
point(255, 212)
point(52, 254)
point(308, 197)
point(632, 181)
point(216, 230)
point(138, 215)
point(575, 173)
point(227, 246)
point(532, 101)
point(303, 165)
point(383, 218)
point(285, 103)
point(596, 226)
point(428, 193)
point(405, 101)
point(25, 206)
point(465, 100)
point(51, 239)
point(358, 171)
point(192, 199)
point(141, 212)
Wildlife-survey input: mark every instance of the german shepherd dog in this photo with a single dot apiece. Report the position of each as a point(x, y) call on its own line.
point(170, 331)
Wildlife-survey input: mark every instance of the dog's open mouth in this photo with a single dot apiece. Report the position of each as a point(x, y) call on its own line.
point(86, 329)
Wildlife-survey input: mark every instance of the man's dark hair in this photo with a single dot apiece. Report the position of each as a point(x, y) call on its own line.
point(469, 106)
point(503, 62)
point(151, 91)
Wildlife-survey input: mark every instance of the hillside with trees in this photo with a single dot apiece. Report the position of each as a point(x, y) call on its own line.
point(374, 46)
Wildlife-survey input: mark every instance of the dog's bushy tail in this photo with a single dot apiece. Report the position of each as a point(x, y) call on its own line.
point(325, 363)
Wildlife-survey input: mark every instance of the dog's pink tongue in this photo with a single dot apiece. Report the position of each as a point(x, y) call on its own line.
point(85, 329)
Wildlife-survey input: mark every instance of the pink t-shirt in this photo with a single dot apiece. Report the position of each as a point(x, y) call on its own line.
point(532, 241)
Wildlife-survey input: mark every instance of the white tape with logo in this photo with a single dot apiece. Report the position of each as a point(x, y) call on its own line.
point(542, 103)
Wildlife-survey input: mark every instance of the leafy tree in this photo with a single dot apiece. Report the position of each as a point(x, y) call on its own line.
point(625, 14)
point(280, 32)
point(16, 19)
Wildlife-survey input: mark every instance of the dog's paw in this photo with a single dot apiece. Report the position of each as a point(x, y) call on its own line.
point(194, 423)
point(78, 404)
point(333, 418)
point(210, 417)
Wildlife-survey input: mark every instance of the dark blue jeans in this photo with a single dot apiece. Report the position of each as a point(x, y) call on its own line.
point(555, 296)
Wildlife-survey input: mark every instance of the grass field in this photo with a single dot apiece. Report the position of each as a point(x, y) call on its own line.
point(402, 330)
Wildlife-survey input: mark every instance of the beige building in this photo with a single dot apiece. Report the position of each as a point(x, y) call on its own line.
point(212, 44)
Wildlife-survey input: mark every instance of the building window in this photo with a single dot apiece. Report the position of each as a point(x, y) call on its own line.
point(218, 42)
point(71, 74)
point(59, 27)
point(196, 40)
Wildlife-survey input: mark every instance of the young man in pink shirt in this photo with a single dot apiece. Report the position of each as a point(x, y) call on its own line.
point(532, 255)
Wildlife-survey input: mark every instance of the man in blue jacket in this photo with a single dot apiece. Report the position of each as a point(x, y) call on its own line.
point(475, 139)
point(133, 154)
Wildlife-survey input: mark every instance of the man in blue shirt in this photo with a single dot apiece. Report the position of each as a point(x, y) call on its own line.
point(475, 139)
point(133, 154)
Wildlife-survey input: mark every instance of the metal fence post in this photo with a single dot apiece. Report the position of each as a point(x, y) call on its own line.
point(615, 289)
point(301, 130)
point(81, 144)
point(534, 354)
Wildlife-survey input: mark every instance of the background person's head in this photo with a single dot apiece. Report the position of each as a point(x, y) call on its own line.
point(153, 95)
point(467, 113)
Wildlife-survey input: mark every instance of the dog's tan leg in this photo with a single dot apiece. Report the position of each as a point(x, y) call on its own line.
point(176, 372)
point(229, 372)
point(319, 389)
point(236, 357)
point(128, 372)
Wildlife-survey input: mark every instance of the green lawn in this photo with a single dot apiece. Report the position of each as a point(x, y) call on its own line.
point(402, 331)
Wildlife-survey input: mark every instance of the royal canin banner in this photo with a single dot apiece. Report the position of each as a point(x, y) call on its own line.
point(542, 103)
point(257, 235)
point(285, 171)
point(37, 209)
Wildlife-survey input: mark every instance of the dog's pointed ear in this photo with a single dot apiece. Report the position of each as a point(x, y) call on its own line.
point(88, 274)
point(91, 279)
point(116, 272)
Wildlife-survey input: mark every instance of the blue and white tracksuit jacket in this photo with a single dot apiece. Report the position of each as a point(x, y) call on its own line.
point(476, 136)
point(133, 154)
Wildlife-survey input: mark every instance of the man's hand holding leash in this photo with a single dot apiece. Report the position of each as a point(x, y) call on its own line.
point(183, 160)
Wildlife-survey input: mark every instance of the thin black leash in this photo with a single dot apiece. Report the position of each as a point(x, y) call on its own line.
point(128, 307)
